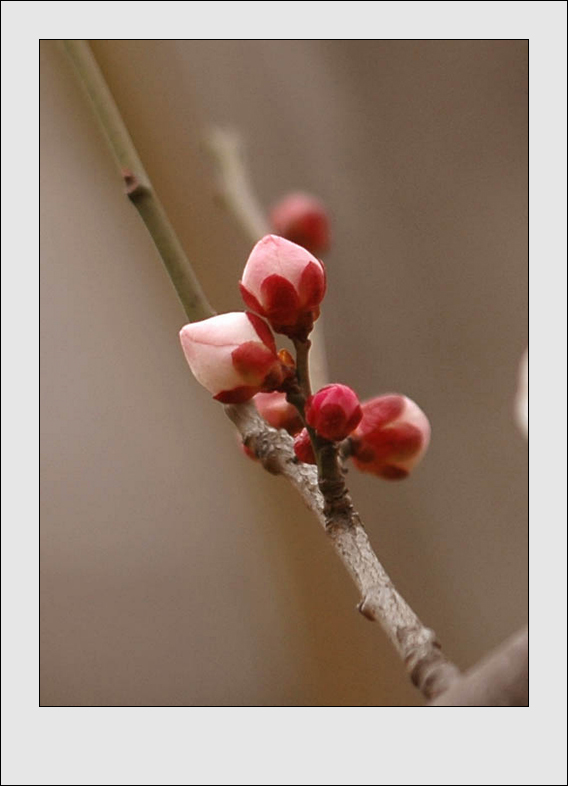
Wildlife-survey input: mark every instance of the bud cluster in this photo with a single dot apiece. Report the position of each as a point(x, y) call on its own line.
point(388, 435)
point(234, 356)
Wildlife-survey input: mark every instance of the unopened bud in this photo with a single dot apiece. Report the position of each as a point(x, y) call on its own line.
point(391, 438)
point(248, 452)
point(333, 412)
point(302, 219)
point(233, 356)
point(277, 412)
point(285, 284)
point(303, 448)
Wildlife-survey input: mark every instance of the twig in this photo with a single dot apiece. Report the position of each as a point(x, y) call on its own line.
point(235, 187)
point(417, 645)
point(238, 196)
point(137, 183)
point(499, 680)
point(328, 497)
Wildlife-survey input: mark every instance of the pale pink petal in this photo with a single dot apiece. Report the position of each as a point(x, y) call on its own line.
point(275, 255)
point(232, 328)
point(208, 346)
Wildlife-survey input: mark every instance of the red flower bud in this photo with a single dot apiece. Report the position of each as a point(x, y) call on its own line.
point(247, 451)
point(302, 219)
point(303, 448)
point(233, 356)
point(333, 412)
point(391, 438)
point(278, 412)
point(285, 284)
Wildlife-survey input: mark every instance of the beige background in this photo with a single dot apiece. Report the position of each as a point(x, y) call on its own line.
point(175, 572)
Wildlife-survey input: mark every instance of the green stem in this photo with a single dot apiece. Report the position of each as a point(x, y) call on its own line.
point(138, 186)
point(235, 185)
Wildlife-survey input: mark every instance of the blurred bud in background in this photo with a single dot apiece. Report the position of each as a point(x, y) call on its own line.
point(303, 219)
point(277, 412)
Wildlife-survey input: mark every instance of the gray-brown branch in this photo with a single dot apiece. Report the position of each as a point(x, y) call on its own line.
point(417, 645)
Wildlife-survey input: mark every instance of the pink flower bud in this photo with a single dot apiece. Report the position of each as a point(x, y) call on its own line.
point(248, 452)
point(233, 356)
point(391, 438)
point(284, 283)
point(278, 412)
point(334, 411)
point(303, 447)
point(302, 219)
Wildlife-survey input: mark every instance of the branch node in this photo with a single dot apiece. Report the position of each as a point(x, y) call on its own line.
point(365, 609)
point(133, 188)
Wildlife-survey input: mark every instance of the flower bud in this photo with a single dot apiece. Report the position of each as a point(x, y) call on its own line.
point(302, 219)
point(233, 356)
point(391, 438)
point(334, 411)
point(303, 447)
point(277, 412)
point(285, 284)
point(248, 452)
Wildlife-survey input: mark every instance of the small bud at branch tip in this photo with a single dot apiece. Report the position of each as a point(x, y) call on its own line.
point(285, 284)
point(334, 411)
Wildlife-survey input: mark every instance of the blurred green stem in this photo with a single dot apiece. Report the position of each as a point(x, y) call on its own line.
point(137, 183)
point(235, 187)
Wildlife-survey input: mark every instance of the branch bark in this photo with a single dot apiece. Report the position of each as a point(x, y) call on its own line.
point(328, 499)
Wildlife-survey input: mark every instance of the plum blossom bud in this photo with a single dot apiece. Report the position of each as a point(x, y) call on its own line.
point(233, 356)
point(302, 219)
point(277, 412)
point(285, 284)
point(247, 451)
point(334, 411)
point(391, 438)
point(303, 447)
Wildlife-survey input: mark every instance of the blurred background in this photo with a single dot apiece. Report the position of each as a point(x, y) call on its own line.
point(174, 571)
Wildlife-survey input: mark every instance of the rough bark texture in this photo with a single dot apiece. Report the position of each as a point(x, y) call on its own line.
point(417, 645)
